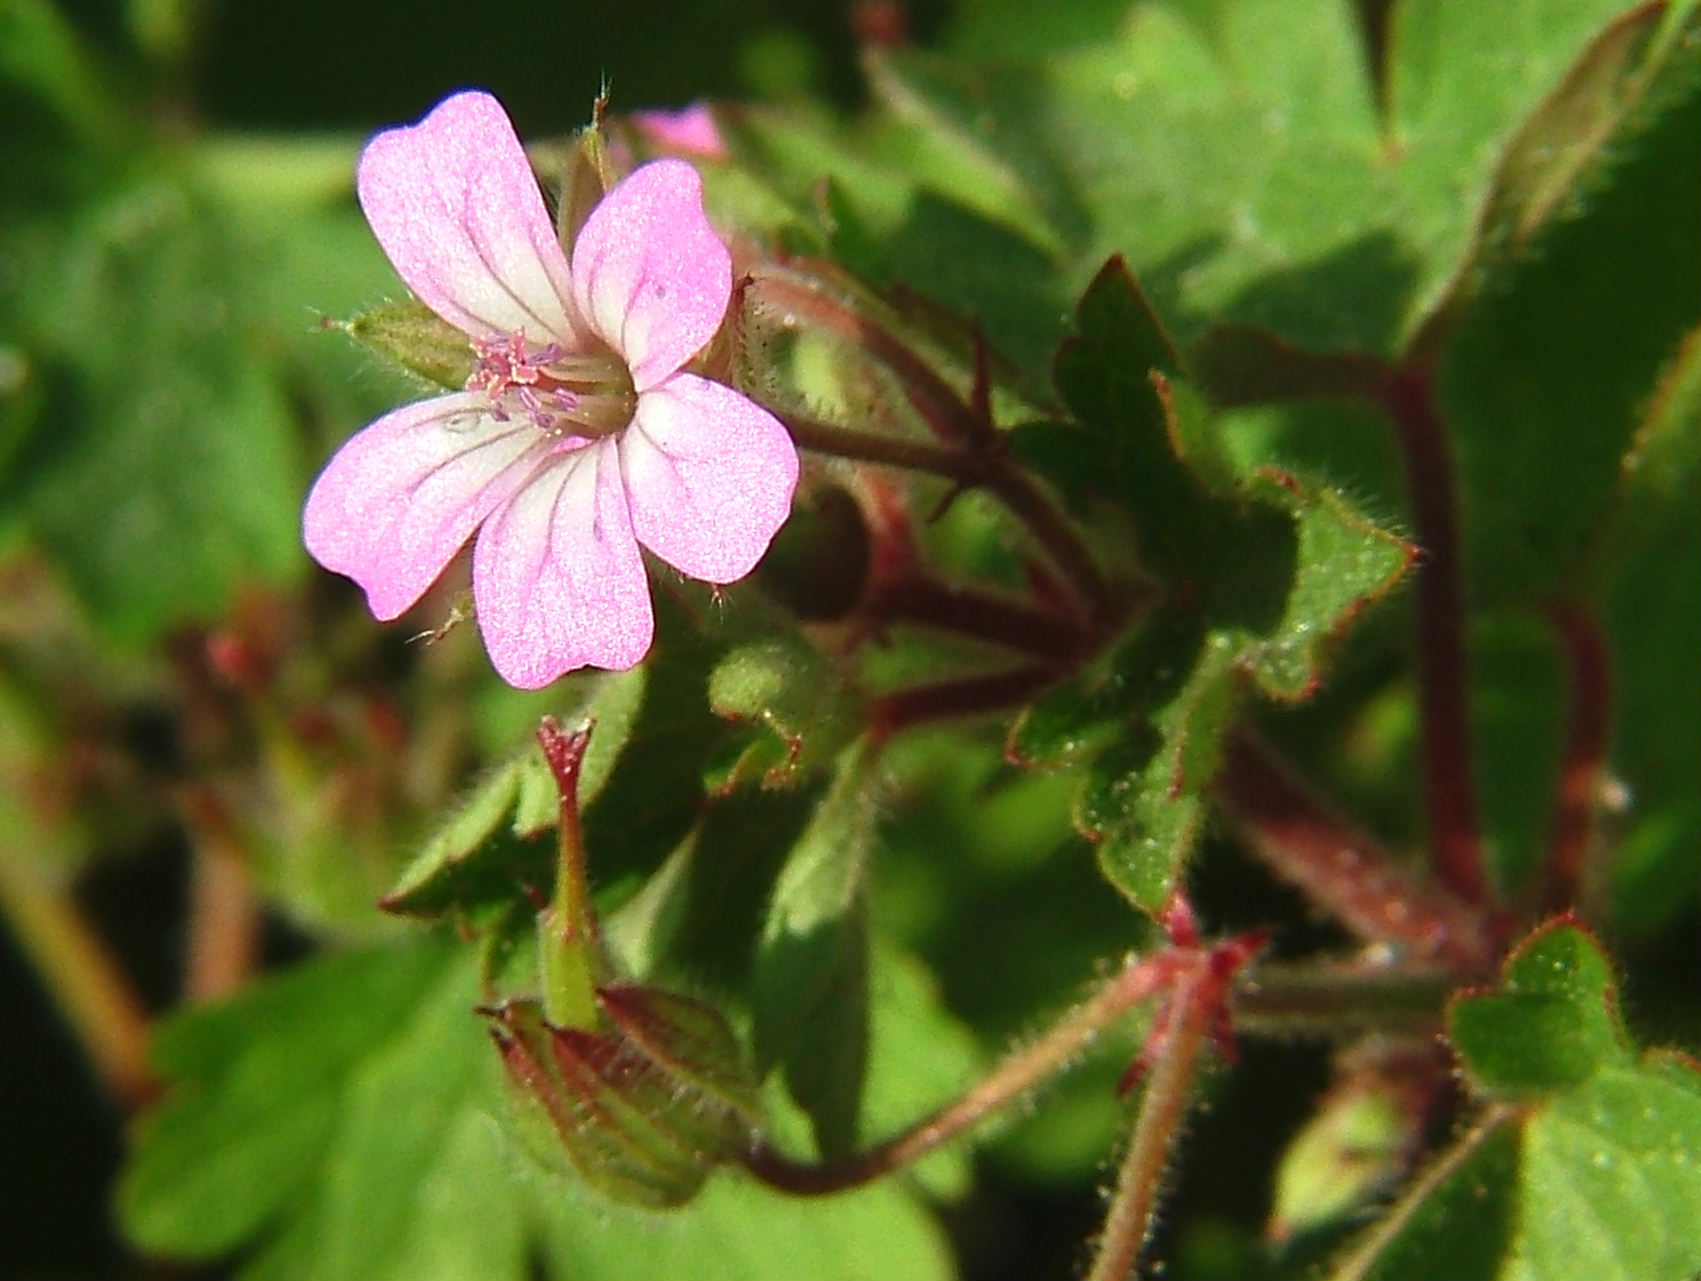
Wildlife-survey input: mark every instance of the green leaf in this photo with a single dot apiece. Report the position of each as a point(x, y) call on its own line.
point(1258, 574)
point(328, 1117)
point(1147, 819)
point(1611, 1190)
point(1343, 565)
point(1657, 475)
point(921, 1056)
point(1517, 720)
point(1593, 1157)
point(172, 476)
point(653, 793)
point(1551, 1023)
point(1458, 1220)
point(1473, 88)
point(796, 699)
point(810, 997)
point(42, 60)
point(1535, 372)
point(1555, 156)
point(336, 1121)
point(483, 853)
point(737, 1228)
point(1351, 1148)
point(1654, 618)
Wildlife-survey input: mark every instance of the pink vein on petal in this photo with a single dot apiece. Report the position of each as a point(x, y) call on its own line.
point(557, 578)
point(650, 275)
point(456, 207)
point(398, 500)
point(709, 475)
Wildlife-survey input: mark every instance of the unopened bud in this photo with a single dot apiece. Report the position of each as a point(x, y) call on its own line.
point(642, 1119)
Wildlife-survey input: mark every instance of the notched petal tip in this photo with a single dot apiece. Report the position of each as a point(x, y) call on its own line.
point(709, 477)
point(650, 274)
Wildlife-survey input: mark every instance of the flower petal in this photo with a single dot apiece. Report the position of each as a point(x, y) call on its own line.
point(649, 273)
point(396, 502)
point(691, 129)
point(557, 579)
point(456, 207)
point(709, 476)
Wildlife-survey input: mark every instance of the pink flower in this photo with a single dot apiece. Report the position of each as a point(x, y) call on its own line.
point(691, 130)
point(578, 436)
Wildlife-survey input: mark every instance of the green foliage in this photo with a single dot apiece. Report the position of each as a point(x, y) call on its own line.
point(1211, 245)
point(1552, 1184)
point(1552, 1023)
point(338, 1121)
point(1532, 371)
point(470, 862)
point(798, 708)
point(1260, 577)
point(811, 981)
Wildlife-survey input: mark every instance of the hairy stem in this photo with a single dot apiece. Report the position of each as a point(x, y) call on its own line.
point(1195, 1004)
point(81, 975)
point(801, 295)
point(224, 914)
point(1362, 1260)
point(1455, 845)
point(970, 611)
point(973, 453)
point(1583, 766)
point(1341, 869)
point(966, 696)
point(886, 450)
point(1011, 1080)
point(1341, 998)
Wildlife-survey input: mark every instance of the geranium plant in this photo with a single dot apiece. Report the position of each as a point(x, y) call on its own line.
point(1112, 628)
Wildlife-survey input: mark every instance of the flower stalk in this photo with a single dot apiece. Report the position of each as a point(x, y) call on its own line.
point(1139, 1180)
point(972, 454)
point(76, 968)
point(569, 941)
point(1408, 395)
point(1139, 980)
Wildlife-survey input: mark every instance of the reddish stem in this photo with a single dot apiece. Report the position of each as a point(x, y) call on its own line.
point(1584, 763)
point(1024, 1070)
point(1195, 1014)
point(1455, 847)
point(969, 611)
point(947, 415)
point(947, 700)
point(224, 911)
point(1341, 869)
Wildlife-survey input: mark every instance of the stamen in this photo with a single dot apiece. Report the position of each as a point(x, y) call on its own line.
point(547, 383)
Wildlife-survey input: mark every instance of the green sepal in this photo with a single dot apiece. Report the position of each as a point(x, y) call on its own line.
point(409, 336)
point(629, 1126)
point(690, 1040)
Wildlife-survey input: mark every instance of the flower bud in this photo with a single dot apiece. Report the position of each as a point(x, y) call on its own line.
point(642, 1115)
